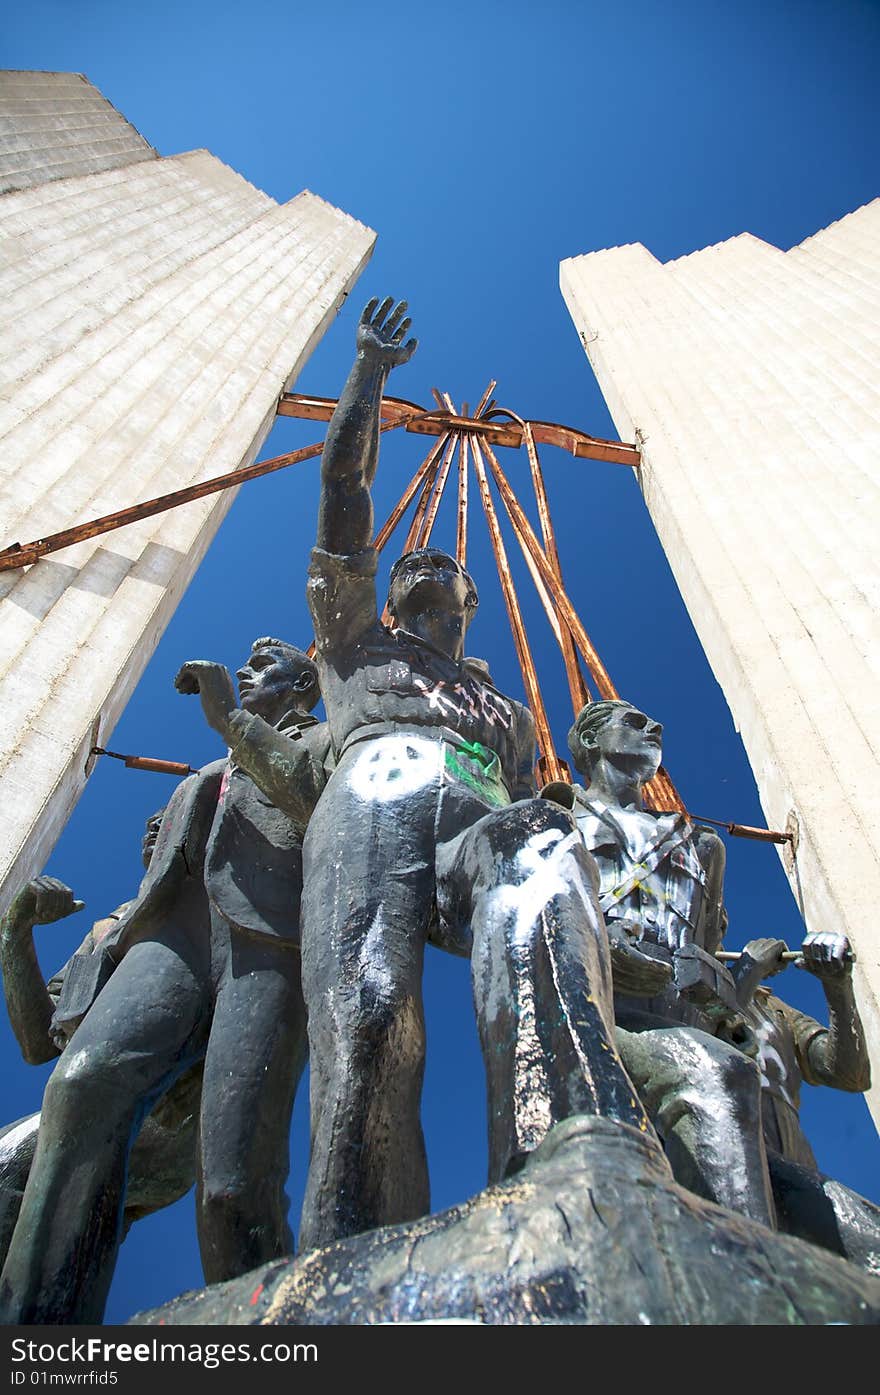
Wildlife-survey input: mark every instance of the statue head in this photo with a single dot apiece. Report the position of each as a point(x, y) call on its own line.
point(151, 833)
point(429, 579)
point(276, 678)
point(620, 734)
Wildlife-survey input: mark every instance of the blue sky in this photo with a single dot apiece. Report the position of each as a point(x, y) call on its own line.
point(484, 142)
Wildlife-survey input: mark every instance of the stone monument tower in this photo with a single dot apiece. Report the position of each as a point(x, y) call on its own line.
point(154, 310)
point(749, 378)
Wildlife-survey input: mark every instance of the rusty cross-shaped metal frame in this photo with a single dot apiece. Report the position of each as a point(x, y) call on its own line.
point(471, 436)
point(475, 436)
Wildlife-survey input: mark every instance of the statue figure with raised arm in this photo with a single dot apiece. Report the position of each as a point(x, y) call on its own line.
point(428, 831)
point(792, 1048)
point(661, 882)
point(205, 967)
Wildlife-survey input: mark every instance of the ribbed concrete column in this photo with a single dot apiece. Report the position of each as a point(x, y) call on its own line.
point(153, 312)
point(750, 376)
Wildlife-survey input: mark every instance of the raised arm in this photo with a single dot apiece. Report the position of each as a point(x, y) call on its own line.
point(28, 1002)
point(290, 771)
point(351, 450)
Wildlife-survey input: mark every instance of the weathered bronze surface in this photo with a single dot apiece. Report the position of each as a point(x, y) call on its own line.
point(661, 883)
point(592, 1231)
point(792, 1048)
point(162, 1166)
point(627, 1159)
point(429, 756)
point(202, 967)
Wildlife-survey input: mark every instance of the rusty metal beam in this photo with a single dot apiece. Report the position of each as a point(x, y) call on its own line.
point(430, 517)
point(660, 793)
point(578, 689)
point(461, 526)
point(299, 404)
point(407, 496)
point(23, 554)
point(481, 405)
point(578, 443)
point(601, 676)
point(549, 763)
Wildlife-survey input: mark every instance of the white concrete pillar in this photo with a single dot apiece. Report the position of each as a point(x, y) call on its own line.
point(154, 309)
point(750, 377)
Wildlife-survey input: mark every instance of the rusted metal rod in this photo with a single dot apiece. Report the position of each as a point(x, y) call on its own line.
point(549, 763)
point(162, 767)
point(407, 496)
point(580, 694)
point(461, 526)
point(578, 443)
point(431, 516)
point(23, 554)
point(298, 404)
point(601, 676)
point(415, 527)
point(744, 830)
point(660, 791)
point(485, 398)
point(730, 956)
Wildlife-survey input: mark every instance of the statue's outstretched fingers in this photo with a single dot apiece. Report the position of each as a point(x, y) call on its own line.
point(368, 310)
point(399, 333)
point(395, 317)
point(386, 305)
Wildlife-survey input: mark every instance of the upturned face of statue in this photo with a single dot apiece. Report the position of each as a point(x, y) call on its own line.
point(151, 833)
point(273, 681)
point(631, 741)
point(430, 580)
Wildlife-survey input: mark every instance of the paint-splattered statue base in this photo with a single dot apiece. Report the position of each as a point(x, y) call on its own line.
point(591, 1231)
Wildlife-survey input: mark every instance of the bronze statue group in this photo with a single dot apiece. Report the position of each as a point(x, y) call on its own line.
point(290, 891)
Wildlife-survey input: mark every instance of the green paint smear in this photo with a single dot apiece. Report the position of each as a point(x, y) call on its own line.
point(478, 767)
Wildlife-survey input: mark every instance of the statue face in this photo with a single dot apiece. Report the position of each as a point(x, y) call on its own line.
point(429, 580)
point(628, 738)
point(270, 683)
point(151, 833)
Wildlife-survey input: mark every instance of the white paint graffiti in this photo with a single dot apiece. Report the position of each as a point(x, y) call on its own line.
point(393, 767)
point(463, 699)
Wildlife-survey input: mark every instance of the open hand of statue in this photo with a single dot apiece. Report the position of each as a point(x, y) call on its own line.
point(213, 683)
point(826, 955)
point(380, 334)
point(44, 900)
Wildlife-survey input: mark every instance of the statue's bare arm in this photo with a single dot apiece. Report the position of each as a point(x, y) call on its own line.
point(289, 772)
point(713, 917)
point(351, 450)
point(28, 1002)
point(838, 1057)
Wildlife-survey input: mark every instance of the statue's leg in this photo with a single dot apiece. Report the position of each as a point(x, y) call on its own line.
point(541, 976)
point(162, 1165)
point(141, 1032)
point(161, 1169)
point(704, 1099)
point(368, 892)
point(825, 1212)
point(256, 1054)
point(17, 1144)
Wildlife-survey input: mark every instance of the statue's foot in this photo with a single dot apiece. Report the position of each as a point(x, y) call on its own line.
point(636, 974)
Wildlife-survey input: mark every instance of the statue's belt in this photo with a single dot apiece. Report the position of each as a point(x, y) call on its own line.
point(466, 762)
